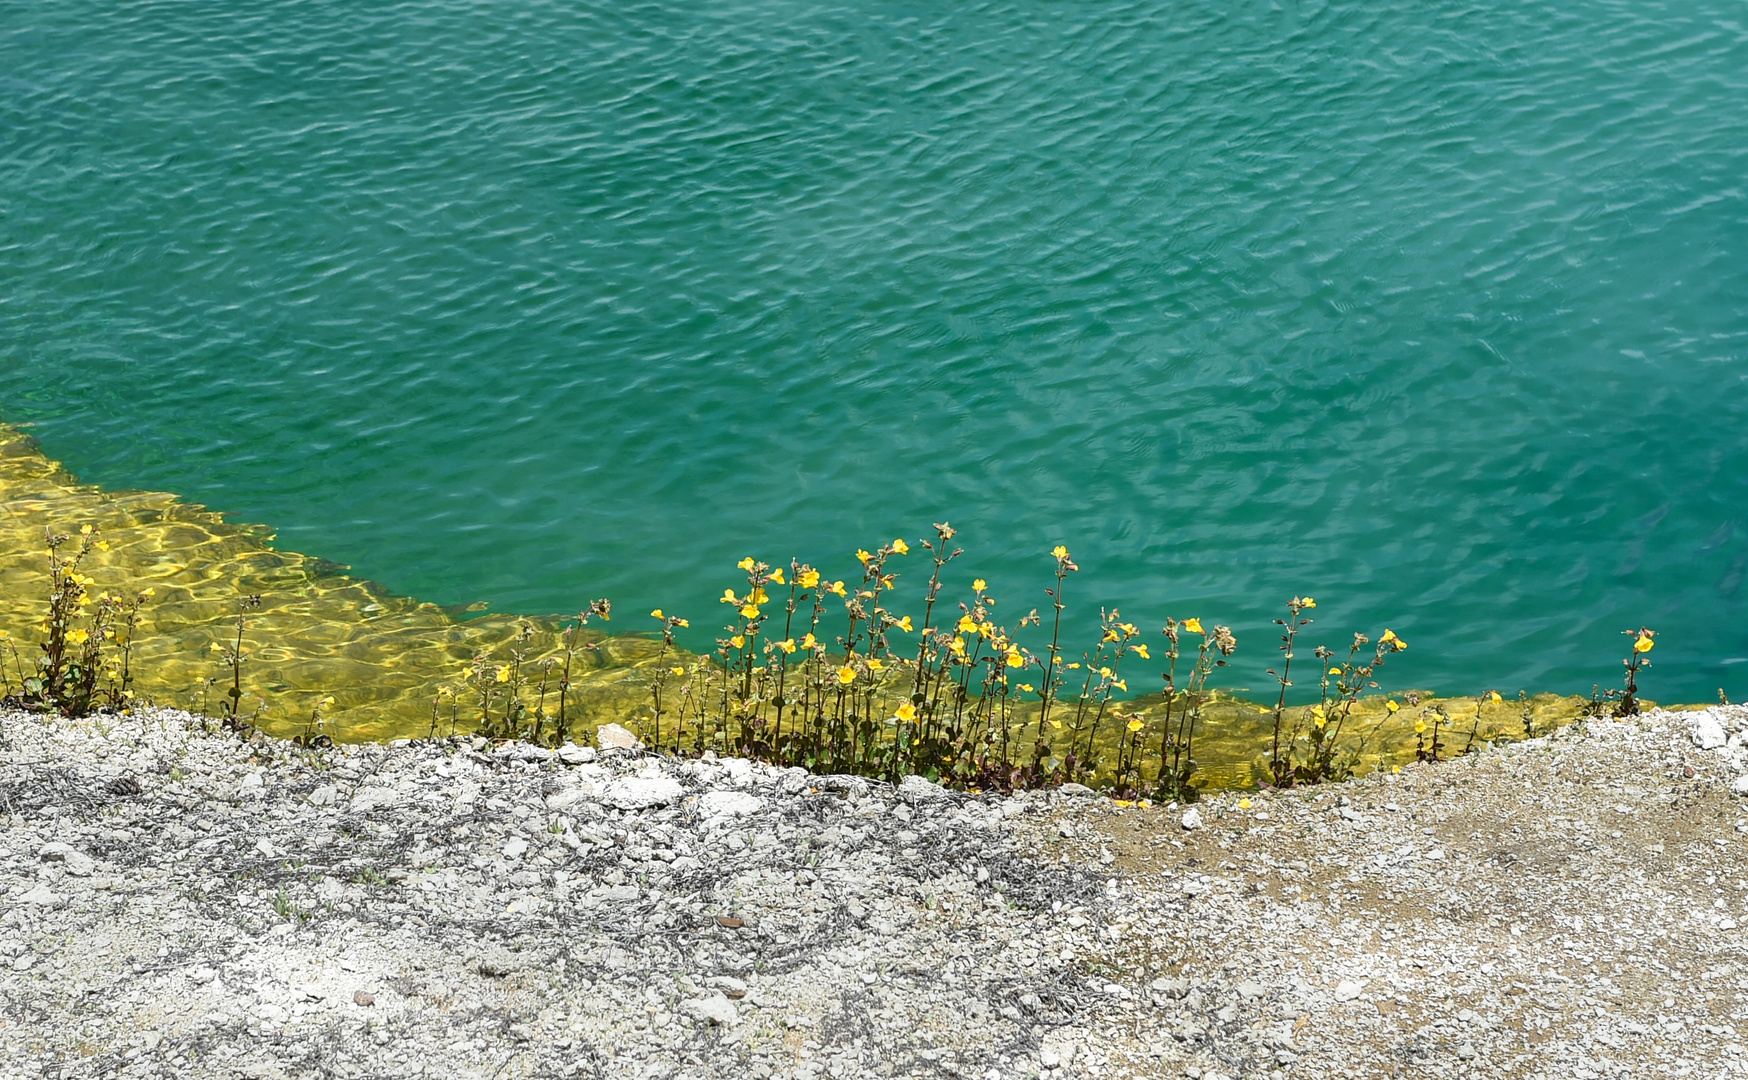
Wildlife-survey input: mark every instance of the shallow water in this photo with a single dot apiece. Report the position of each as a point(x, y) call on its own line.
point(1437, 313)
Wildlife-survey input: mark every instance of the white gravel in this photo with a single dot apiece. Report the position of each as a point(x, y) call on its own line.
point(174, 903)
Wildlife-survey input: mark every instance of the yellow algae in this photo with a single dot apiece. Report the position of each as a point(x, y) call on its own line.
point(318, 632)
point(396, 667)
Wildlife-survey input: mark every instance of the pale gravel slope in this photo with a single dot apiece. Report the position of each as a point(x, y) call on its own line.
point(1563, 908)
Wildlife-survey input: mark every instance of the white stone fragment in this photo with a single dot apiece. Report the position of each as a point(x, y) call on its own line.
point(614, 737)
point(728, 804)
point(712, 1009)
point(642, 792)
point(78, 863)
point(1192, 818)
point(1708, 734)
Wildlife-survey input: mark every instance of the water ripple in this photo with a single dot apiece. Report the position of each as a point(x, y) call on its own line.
point(1423, 308)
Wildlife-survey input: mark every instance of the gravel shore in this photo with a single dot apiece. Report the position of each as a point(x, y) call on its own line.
point(178, 903)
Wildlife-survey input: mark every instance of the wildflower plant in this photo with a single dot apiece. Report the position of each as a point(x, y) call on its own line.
point(1644, 641)
point(85, 657)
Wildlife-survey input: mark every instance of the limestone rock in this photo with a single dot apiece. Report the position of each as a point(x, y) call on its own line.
point(614, 737)
point(711, 1009)
point(728, 804)
point(1707, 733)
point(78, 863)
point(642, 792)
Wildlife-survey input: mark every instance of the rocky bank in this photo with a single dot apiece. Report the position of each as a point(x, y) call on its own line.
point(175, 902)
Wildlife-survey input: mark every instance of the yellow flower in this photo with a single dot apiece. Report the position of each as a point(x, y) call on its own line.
point(1014, 658)
point(808, 579)
point(677, 670)
point(147, 591)
point(1644, 644)
point(1105, 672)
point(986, 628)
point(750, 611)
point(901, 547)
point(216, 647)
point(745, 564)
point(837, 587)
point(1136, 724)
point(958, 647)
point(102, 545)
point(326, 701)
point(979, 585)
point(728, 597)
point(1074, 665)
point(1391, 639)
point(738, 641)
point(787, 645)
point(758, 596)
point(1121, 684)
point(84, 530)
point(1493, 696)
point(1391, 705)
point(967, 624)
point(1420, 727)
point(904, 624)
point(876, 665)
point(1244, 804)
point(1059, 551)
point(1057, 724)
point(1308, 603)
point(808, 642)
point(1194, 626)
point(681, 622)
point(504, 673)
point(78, 637)
point(864, 556)
point(846, 674)
point(777, 575)
point(906, 712)
point(656, 614)
point(1336, 670)
point(1027, 687)
point(1141, 651)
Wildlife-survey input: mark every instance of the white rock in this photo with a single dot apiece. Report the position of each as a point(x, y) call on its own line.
point(642, 792)
point(572, 754)
point(521, 751)
point(1708, 734)
point(1739, 786)
point(565, 798)
point(41, 896)
point(713, 1009)
point(252, 786)
point(77, 862)
point(325, 795)
point(728, 804)
point(614, 737)
point(515, 848)
point(918, 790)
point(1192, 818)
point(367, 799)
point(1347, 990)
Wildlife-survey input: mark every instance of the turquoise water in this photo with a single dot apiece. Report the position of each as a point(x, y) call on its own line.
point(1438, 312)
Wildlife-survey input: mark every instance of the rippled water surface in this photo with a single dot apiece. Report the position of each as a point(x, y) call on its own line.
point(1437, 312)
